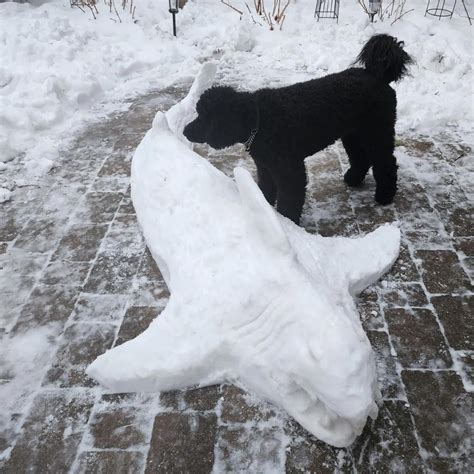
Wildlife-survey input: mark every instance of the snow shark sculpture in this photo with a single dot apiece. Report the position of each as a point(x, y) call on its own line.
point(255, 299)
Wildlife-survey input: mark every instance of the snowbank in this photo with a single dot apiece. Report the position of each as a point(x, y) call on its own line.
point(59, 67)
point(22, 362)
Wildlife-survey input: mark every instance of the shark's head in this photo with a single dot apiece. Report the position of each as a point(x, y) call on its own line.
point(315, 359)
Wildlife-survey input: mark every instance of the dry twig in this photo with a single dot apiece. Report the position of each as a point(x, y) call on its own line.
point(276, 17)
point(92, 5)
point(233, 8)
point(394, 10)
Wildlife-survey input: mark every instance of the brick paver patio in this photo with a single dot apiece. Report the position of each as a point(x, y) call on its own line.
point(74, 269)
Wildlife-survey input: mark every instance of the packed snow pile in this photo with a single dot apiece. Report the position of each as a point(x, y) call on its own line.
point(5, 195)
point(22, 359)
point(255, 299)
point(59, 67)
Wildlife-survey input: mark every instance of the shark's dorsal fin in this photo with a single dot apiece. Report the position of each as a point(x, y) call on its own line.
point(261, 217)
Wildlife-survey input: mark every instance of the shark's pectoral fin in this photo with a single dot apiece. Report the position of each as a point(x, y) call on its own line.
point(261, 217)
point(167, 356)
point(364, 260)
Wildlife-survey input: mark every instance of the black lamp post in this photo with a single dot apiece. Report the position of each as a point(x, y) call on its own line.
point(174, 9)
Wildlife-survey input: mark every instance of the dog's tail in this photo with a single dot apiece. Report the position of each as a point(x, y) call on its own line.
point(384, 57)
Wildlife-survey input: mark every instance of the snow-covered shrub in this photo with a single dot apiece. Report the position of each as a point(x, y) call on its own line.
point(127, 7)
point(274, 17)
point(392, 10)
point(277, 17)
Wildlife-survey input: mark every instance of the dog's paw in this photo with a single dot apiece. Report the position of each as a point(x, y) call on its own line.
point(354, 178)
point(384, 198)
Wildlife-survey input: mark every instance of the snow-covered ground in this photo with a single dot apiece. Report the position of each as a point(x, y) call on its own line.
point(60, 68)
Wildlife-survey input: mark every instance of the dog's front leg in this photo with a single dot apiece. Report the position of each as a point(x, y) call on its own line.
point(291, 188)
point(358, 160)
point(266, 183)
point(385, 175)
point(384, 167)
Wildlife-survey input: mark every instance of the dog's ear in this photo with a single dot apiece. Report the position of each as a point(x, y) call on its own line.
point(225, 97)
point(261, 217)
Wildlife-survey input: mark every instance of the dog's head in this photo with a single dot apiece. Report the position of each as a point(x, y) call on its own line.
point(222, 118)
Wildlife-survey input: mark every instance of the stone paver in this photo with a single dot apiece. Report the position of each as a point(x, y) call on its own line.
point(109, 462)
point(182, 443)
point(76, 278)
point(388, 444)
point(442, 413)
point(51, 433)
point(417, 339)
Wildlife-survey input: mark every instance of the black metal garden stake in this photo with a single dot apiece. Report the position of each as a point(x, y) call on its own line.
point(327, 9)
point(445, 9)
point(174, 9)
point(440, 8)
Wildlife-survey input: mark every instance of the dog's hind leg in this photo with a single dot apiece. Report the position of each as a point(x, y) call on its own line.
point(291, 185)
point(359, 164)
point(266, 183)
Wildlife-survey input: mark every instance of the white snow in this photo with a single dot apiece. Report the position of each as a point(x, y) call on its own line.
point(255, 299)
point(5, 195)
point(22, 365)
point(59, 67)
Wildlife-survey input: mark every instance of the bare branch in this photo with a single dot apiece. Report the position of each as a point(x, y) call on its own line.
point(92, 6)
point(398, 17)
point(233, 8)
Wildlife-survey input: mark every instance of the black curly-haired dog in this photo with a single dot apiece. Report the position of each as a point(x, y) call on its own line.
point(281, 127)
